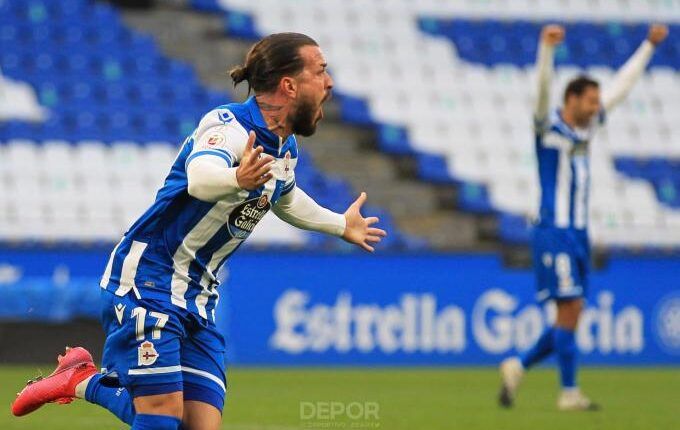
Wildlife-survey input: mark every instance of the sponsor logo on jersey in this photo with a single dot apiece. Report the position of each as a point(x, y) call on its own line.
point(245, 217)
point(146, 354)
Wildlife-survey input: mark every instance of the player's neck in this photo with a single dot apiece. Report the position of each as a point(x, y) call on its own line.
point(568, 118)
point(275, 113)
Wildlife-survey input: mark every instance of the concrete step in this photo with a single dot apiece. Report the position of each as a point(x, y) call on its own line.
point(337, 148)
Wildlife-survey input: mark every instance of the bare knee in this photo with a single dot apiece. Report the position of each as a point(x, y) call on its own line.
point(568, 312)
point(170, 404)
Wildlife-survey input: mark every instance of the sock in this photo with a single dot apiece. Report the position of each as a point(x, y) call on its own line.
point(543, 347)
point(565, 347)
point(116, 400)
point(155, 422)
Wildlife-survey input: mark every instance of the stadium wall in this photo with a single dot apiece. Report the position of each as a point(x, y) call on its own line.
point(421, 309)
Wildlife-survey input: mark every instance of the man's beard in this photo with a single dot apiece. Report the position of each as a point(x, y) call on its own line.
point(303, 121)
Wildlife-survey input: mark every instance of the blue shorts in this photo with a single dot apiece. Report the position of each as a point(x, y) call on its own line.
point(154, 347)
point(561, 263)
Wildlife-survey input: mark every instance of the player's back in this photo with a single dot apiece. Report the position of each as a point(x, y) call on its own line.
point(174, 250)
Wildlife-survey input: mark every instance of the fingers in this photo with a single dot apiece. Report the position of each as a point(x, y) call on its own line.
point(264, 170)
point(373, 239)
point(367, 247)
point(250, 143)
point(377, 232)
point(263, 180)
point(253, 156)
point(372, 220)
point(359, 202)
point(262, 161)
point(552, 34)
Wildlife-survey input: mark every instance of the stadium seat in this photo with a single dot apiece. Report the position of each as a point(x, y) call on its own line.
point(457, 93)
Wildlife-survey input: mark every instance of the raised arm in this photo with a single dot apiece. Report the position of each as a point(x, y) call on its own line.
point(300, 210)
point(631, 71)
point(551, 35)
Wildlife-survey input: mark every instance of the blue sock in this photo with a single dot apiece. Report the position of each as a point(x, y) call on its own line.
point(116, 400)
point(543, 347)
point(155, 422)
point(565, 347)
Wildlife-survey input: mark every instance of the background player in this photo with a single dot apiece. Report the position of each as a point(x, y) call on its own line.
point(561, 247)
point(159, 288)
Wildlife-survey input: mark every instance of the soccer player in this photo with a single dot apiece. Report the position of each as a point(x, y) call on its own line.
point(561, 251)
point(163, 361)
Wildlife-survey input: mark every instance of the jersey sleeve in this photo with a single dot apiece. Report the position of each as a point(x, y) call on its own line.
point(219, 134)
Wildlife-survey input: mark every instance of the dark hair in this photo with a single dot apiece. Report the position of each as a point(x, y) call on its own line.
point(270, 59)
point(577, 86)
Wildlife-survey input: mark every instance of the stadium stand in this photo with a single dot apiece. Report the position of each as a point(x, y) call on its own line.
point(457, 94)
point(91, 119)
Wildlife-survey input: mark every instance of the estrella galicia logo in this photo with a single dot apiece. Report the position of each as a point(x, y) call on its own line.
point(667, 323)
point(245, 217)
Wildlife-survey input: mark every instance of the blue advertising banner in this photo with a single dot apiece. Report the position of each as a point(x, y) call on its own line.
point(423, 309)
point(438, 309)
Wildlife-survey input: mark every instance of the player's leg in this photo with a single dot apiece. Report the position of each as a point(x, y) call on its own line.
point(569, 307)
point(158, 411)
point(142, 354)
point(568, 312)
point(201, 416)
point(116, 399)
point(203, 372)
point(546, 282)
point(512, 369)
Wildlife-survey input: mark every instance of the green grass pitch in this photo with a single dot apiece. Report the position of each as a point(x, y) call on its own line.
point(414, 399)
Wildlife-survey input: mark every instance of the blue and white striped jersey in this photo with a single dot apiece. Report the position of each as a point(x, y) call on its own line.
point(174, 250)
point(564, 173)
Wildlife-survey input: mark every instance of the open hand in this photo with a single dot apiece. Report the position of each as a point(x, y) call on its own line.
point(254, 169)
point(358, 229)
point(657, 33)
point(552, 34)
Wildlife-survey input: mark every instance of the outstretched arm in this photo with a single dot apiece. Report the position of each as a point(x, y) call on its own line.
point(630, 72)
point(551, 35)
point(300, 210)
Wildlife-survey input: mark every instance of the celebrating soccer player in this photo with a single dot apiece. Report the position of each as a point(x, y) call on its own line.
point(163, 362)
point(561, 251)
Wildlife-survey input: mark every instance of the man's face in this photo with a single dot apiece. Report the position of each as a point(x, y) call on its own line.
point(314, 86)
point(583, 108)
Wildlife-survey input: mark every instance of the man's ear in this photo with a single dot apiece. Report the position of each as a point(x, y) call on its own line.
point(289, 87)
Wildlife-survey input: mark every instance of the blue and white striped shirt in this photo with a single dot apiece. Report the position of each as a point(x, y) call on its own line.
point(564, 172)
point(174, 250)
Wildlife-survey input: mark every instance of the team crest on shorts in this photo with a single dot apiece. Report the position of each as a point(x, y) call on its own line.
point(147, 354)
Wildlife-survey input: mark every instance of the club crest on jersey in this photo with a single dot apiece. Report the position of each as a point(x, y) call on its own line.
point(245, 217)
point(263, 201)
point(146, 354)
